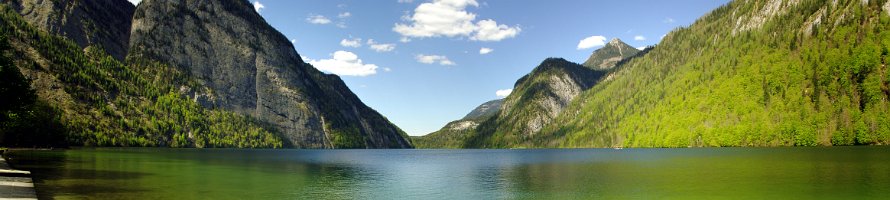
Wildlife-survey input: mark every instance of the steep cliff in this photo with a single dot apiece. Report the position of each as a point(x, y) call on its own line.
point(102, 23)
point(87, 98)
point(253, 69)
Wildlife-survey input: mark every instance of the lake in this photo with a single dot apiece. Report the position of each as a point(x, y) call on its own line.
point(698, 173)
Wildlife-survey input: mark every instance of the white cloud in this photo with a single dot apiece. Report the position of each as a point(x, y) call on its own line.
point(354, 43)
point(406, 1)
point(641, 48)
point(344, 15)
point(639, 38)
point(484, 50)
point(592, 41)
point(489, 30)
point(258, 6)
point(318, 19)
point(503, 93)
point(387, 69)
point(136, 2)
point(430, 59)
point(668, 20)
point(449, 18)
point(404, 40)
point(344, 63)
point(381, 47)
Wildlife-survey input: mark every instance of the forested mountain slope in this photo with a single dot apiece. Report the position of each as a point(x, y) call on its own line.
point(750, 73)
point(200, 74)
point(86, 97)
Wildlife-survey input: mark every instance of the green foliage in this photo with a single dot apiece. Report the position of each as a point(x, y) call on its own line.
point(454, 133)
point(446, 138)
point(15, 88)
point(109, 103)
point(740, 88)
point(787, 81)
point(531, 105)
point(24, 120)
point(347, 139)
point(35, 125)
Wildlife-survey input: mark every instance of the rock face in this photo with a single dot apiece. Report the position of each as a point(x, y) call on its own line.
point(541, 95)
point(537, 99)
point(608, 57)
point(103, 23)
point(253, 69)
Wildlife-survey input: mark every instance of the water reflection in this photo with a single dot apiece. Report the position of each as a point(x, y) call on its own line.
point(130, 173)
point(55, 174)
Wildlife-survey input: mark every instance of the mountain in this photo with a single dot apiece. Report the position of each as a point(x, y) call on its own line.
point(196, 74)
point(607, 57)
point(85, 97)
point(537, 98)
point(253, 69)
point(750, 73)
point(485, 110)
point(456, 132)
point(103, 23)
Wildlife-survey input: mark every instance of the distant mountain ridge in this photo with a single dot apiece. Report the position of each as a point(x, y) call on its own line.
point(453, 134)
point(485, 110)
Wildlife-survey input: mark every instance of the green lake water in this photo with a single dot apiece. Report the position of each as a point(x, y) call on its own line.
point(693, 173)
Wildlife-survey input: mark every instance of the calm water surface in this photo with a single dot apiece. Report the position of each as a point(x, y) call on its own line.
point(703, 173)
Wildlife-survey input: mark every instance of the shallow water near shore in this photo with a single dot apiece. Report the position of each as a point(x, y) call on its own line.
point(743, 173)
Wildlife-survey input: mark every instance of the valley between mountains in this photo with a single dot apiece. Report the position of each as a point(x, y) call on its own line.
point(215, 74)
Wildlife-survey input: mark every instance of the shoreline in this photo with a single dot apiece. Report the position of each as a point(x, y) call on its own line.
point(15, 184)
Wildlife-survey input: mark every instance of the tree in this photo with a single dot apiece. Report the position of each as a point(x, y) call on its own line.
point(15, 89)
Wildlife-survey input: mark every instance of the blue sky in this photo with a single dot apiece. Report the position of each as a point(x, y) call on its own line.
point(423, 63)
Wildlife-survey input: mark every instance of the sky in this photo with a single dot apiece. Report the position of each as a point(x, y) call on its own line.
point(424, 63)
